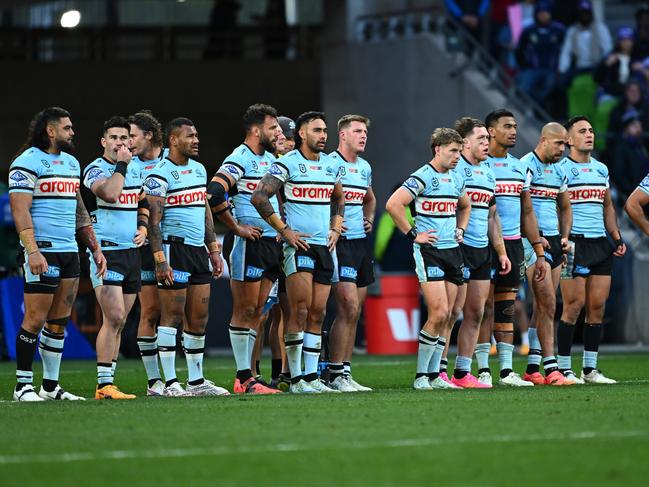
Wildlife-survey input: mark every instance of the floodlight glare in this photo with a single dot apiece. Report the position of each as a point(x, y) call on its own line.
point(70, 19)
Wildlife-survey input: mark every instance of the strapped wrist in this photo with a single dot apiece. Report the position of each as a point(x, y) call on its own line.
point(120, 168)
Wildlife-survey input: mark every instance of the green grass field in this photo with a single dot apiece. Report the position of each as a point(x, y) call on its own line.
point(579, 435)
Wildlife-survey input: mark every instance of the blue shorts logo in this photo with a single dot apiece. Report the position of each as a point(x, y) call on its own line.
point(253, 272)
point(493, 274)
point(434, 271)
point(147, 276)
point(52, 271)
point(348, 272)
point(466, 272)
point(113, 276)
point(305, 261)
point(580, 269)
point(181, 276)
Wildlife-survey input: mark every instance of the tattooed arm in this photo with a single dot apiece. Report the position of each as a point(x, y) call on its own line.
point(142, 221)
point(337, 214)
point(164, 273)
point(87, 236)
point(267, 187)
point(213, 245)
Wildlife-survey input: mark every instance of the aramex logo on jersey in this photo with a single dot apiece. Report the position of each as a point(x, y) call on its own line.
point(63, 187)
point(479, 197)
point(188, 197)
point(436, 206)
point(509, 188)
point(128, 199)
point(309, 193)
point(354, 195)
point(542, 192)
point(583, 194)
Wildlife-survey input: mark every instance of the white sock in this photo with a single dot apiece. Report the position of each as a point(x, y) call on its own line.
point(167, 351)
point(113, 368)
point(149, 352)
point(433, 365)
point(104, 375)
point(50, 348)
point(482, 355)
point(347, 368)
point(239, 338)
point(525, 337)
point(194, 346)
point(427, 345)
point(312, 344)
point(293, 344)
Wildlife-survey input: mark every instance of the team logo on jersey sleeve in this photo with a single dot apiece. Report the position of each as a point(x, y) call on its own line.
point(151, 183)
point(411, 183)
point(275, 170)
point(17, 178)
point(232, 169)
point(94, 174)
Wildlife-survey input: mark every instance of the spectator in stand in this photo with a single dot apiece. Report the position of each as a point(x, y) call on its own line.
point(629, 162)
point(633, 101)
point(641, 46)
point(470, 13)
point(537, 53)
point(565, 11)
point(585, 44)
point(616, 69)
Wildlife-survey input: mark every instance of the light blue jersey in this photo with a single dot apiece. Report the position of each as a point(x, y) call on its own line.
point(115, 224)
point(146, 166)
point(546, 181)
point(356, 178)
point(436, 196)
point(587, 187)
point(53, 181)
point(247, 169)
point(183, 188)
point(511, 181)
point(308, 186)
point(480, 185)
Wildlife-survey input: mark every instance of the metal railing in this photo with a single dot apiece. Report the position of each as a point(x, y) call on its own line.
point(469, 53)
point(155, 44)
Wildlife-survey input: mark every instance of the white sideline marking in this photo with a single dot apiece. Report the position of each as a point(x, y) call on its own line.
point(294, 447)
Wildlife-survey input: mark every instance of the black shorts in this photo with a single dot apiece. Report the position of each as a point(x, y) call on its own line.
point(61, 265)
point(593, 256)
point(228, 242)
point(252, 260)
point(516, 255)
point(122, 270)
point(434, 264)
point(353, 262)
point(147, 270)
point(477, 263)
point(316, 260)
point(554, 255)
point(191, 265)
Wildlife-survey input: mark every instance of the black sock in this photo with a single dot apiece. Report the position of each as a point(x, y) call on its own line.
point(310, 377)
point(244, 375)
point(153, 381)
point(505, 372)
point(275, 367)
point(335, 371)
point(443, 365)
point(26, 343)
point(170, 382)
point(257, 367)
point(433, 375)
point(460, 374)
point(421, 374)
point(592, 338)
point(196, 382)
point(533, 368)
point(49, 385)
point(565, 334)
point(480, 371)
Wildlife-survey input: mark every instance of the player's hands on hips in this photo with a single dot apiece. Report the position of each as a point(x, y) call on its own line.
point(248, 231)
point(37, 263)
point(124, 154)
point(539, 269)
point(620, 250)
point(459, 235)
point(427, 237)
point(100, 262)
point(217, 264)
point(294, 239)
point(368, 225)
point(164, 274)
point(505, 265)
point(332, 240)
point(140, 236)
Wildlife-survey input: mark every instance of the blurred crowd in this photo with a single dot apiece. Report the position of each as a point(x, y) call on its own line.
point(564, 55)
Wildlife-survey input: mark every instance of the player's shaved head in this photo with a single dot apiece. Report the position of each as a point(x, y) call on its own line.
point(553, 129)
